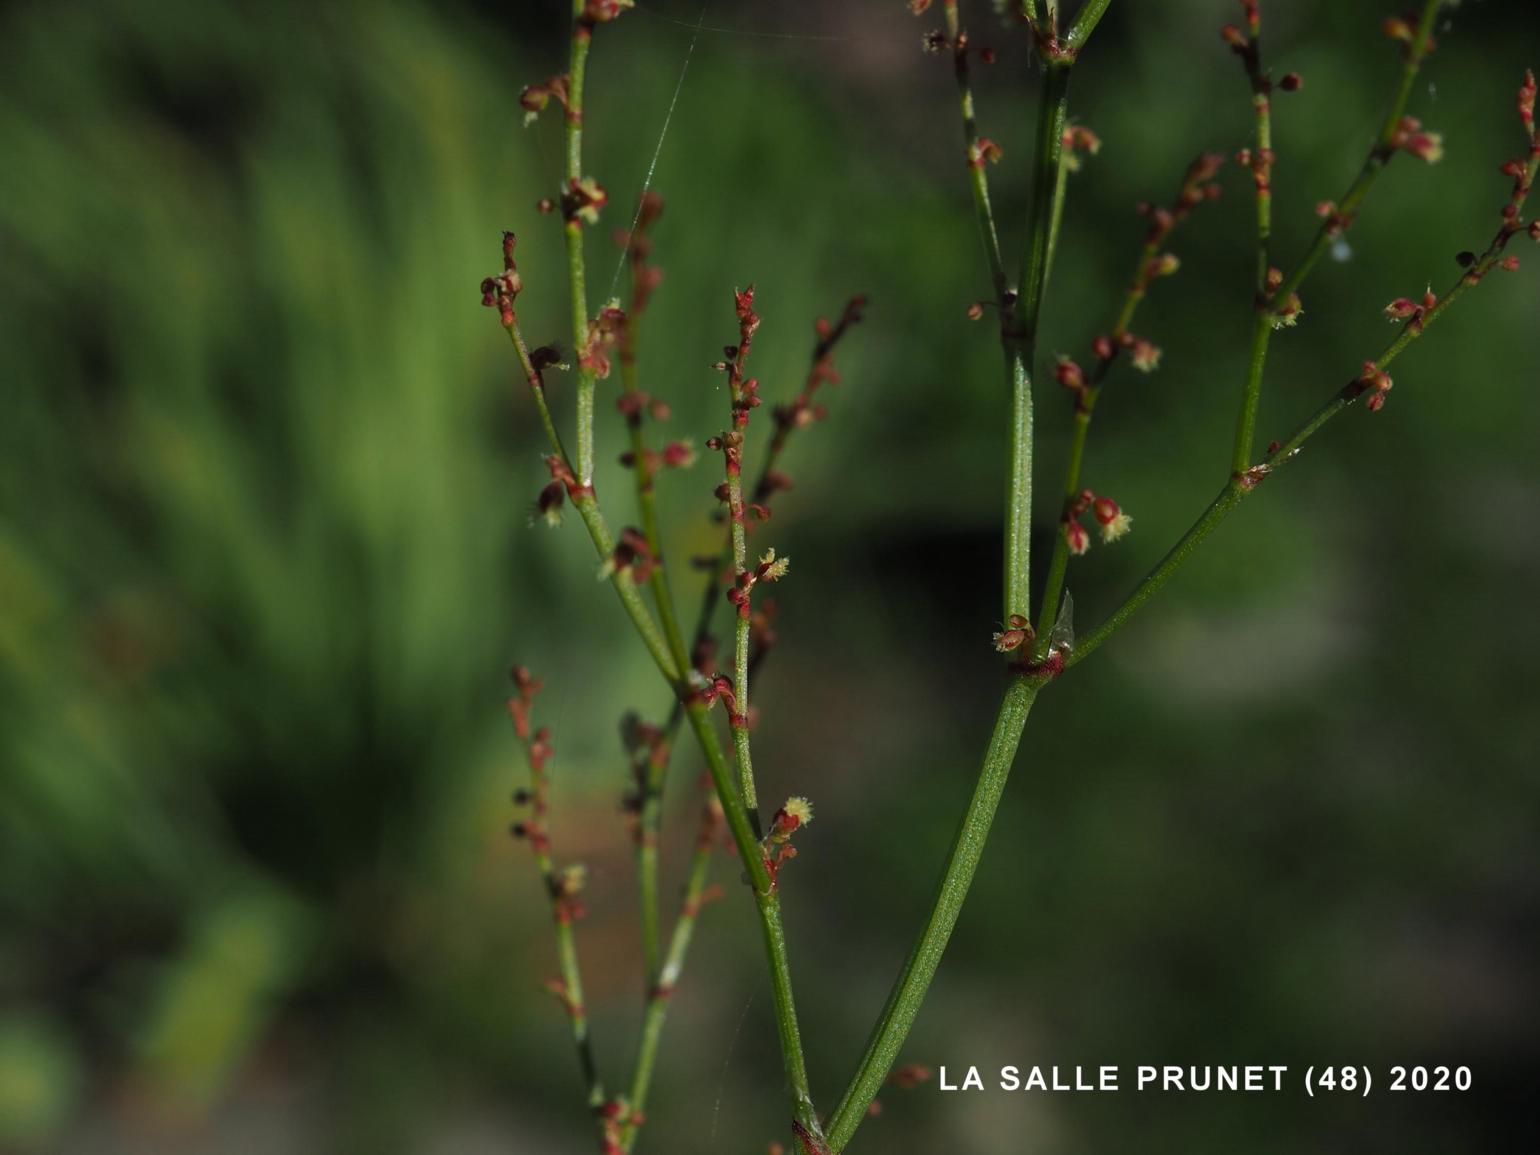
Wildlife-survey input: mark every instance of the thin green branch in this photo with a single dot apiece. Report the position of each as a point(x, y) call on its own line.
point(1019, 333)
point(582, 36)
point(561, 887)
point(1085, 23)
point(974, 153)
point(1262, 301)
point(908, 992)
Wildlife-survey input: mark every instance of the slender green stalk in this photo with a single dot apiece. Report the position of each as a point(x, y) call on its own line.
point(1251, 395)
point(908, 992)
point(582, 36)
point(739, 718)
point(1085, 23)
point(795, 1066)
point(1053, 114)
point(1060, 186)
point(767, 902)
point(1019, 335)
point(1263, 302)
point(978, 178)
point(569, 988)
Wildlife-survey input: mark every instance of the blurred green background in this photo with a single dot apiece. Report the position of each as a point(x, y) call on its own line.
point(265, 466)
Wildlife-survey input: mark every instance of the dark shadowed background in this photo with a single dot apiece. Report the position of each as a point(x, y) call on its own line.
point(265, 467)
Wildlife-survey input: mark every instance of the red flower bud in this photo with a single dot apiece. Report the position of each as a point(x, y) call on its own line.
point(1069, 374)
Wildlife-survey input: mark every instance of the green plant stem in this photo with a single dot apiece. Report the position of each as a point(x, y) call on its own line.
point(1019, 336)
point(978, 180)
point(1085, 23)
point(571, 992)
point(582, 36)
point(738, 534)
point(1263, 301)
point(919, 969)
point(1060, 186)
point(767, 902)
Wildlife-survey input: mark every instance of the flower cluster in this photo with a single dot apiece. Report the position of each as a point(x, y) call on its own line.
point(1404, 29)
point(1376, 379)
point(1110, 519)
point(1410, 311)
point(498, 292)
point(1410, 137)
point(769, 569)
point(1286, 313)
point(534, 97)
point(565, 886)
point(582, 199)
point(603, 333)
point(793, 815)
point(631, 555)
point(563, 484)
point(603, 11)
point(1078, 139)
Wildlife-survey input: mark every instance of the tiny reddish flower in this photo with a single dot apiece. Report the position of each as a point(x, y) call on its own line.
point(1414, 139)
point(603, 11)
point(1287, 315)
point(548, 504)
point(1069, 374)
point(679, 454)
point(583, 200)
point(1373, 377)
point(1145, 355)
point(1018, 632)
point(772, 568)
point(1113, 521)
point(1077, 537)
point(1291, 82)
point(982, 151)
point(1402, 308)
point(793, 815)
